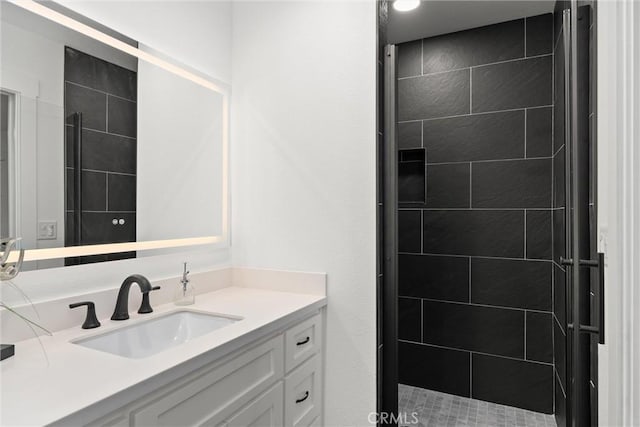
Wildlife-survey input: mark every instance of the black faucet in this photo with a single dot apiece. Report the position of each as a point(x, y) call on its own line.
point(122, 304)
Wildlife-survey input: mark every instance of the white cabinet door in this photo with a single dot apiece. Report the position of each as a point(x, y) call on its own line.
point(302, 341)
point(302, 394)
point(266, 411)
point(210, 395)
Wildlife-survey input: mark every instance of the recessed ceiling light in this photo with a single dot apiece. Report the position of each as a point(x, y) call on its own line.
point(405, 5)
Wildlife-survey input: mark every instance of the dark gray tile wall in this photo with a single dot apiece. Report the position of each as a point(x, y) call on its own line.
point(106, 96)
point(475, 265)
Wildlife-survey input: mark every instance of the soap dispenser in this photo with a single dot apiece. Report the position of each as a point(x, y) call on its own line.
point(185, 294)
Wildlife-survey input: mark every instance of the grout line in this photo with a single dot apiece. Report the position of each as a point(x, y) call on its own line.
point(103, 171)
point(475, 352)
point(491, 160)
point(475, 114)
point(100, 91)
point(426, 208)
point(108, 133)
point(475, 66)
point(475, 304)
point(480, 257)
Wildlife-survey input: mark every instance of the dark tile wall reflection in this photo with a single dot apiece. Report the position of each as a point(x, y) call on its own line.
point(106, 95)
point(475, 263)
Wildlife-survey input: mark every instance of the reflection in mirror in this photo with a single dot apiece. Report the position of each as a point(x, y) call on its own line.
point(99, 147)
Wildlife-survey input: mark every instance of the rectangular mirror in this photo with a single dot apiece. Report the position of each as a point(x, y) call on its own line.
point(108, 149)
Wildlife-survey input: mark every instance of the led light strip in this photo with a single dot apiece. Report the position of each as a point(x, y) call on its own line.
point(74, 251)
point(72, 24)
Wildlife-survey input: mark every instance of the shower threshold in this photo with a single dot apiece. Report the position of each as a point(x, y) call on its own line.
point(419, 407)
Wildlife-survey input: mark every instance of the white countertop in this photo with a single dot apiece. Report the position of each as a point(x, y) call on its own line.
point(34, 391)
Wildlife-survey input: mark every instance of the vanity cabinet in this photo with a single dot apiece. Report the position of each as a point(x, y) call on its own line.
point(275, 381)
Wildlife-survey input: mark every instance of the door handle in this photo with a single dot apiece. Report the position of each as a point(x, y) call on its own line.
point(599, 264)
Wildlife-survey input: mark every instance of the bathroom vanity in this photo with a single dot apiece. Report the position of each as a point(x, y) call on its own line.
point(262, 367)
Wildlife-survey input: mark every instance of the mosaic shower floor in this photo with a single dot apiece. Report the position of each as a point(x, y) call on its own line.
point(435, 409)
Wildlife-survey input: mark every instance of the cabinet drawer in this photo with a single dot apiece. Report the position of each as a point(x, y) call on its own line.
point(266, 411)
point(211, 394)
point(302, 396)
point(302, 341)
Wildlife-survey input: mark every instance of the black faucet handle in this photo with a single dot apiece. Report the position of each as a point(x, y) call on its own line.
point(91, 321)
point(145, 307)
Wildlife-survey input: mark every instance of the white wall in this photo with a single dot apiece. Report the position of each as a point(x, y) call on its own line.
point(304, 170)
point(33, 66)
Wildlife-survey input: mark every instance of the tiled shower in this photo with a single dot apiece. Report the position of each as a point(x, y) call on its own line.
point(475, 239)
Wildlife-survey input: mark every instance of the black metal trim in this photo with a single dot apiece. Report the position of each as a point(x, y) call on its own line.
point(390, 239)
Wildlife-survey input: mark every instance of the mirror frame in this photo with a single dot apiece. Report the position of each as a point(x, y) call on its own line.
point(89, 31)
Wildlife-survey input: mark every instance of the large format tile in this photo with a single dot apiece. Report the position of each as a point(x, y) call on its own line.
point(94, 191)
point(539, 34)
point(409, 135)
point(539, 337)
point(410, 59)
point(448, 185)
point(122, 192)
point(98, 228)
point(437, 95)
point(539, 234)
point(474, 232)
point(559, 295)
point(512, 184)
point(476, 137)
point(92, 105)
point(511, 283)
point(105, 152)
point(539, 132)
point(475, 328)
point(93, 72)
point(435, 277)
point(483, 45)
point(511, 382)
point(514, 84)
point(409, 231)
point(122, 117)
point(409, 319)
point(434, 368)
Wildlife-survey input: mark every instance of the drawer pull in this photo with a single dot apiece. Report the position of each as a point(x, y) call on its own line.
point(304, 341)
point(306, 396)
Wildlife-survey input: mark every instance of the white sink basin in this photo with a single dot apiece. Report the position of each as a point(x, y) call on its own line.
point(149, 337)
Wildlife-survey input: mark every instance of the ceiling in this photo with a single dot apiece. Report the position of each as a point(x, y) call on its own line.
point(434, 17)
